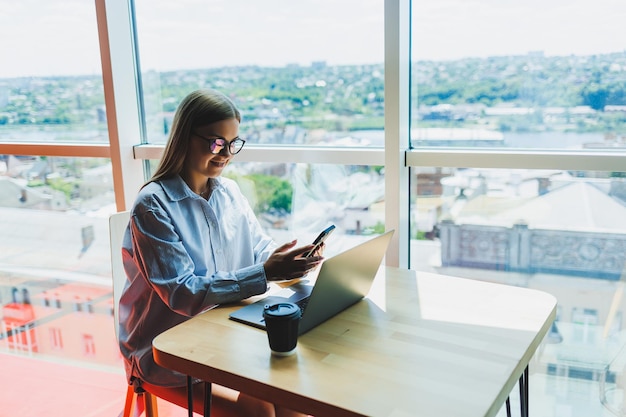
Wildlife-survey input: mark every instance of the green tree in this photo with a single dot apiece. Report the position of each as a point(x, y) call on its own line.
point(595, 95)
point(272, 192)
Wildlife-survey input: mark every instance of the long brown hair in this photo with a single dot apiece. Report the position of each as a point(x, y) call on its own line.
point(199, 108)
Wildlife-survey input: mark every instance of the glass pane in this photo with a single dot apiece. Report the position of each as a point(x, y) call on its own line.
point(55, 267)
point(297, 201)
point(309, 72)
point(560, 232)
point(51, 77)
point(530, 74)
point(56, 323)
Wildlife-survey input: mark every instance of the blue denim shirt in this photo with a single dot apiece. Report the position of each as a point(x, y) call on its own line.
point(183, 255)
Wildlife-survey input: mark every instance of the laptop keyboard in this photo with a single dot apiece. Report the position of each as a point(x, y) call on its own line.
point(303, 303)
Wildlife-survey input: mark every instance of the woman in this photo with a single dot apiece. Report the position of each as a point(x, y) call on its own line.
point(193, 242)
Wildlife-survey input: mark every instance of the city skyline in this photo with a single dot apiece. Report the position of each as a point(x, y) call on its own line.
point(60, 38)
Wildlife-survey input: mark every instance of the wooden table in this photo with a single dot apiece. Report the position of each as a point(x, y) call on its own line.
point(420, 344)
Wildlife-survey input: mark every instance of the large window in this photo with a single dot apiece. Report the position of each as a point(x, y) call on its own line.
point(51, 78)
point(518, 130)
point(294, 90)
point(279, 60)
point(531, 75)
point(56, 193)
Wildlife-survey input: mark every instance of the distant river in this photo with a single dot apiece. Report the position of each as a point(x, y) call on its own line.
point(546, 140)
point(53, 133)
point(553, 140)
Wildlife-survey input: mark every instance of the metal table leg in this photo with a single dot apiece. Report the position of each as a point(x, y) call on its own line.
point(523, 392)
point(207, 399)
point(508, 407)
point(189, 397)
point(523, 395)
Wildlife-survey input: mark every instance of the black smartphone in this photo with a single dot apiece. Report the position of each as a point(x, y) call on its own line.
point(320, 239)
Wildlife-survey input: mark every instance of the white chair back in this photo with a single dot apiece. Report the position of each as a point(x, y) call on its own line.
point(117, 226)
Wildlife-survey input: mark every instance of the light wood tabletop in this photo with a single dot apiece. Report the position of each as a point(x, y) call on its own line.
point(420, 344)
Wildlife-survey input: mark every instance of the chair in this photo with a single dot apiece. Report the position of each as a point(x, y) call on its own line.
point(117, 226)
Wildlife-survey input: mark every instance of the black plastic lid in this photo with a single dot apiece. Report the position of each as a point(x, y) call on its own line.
point(282, 310)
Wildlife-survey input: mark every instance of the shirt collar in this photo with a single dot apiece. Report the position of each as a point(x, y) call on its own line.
point(177, 189)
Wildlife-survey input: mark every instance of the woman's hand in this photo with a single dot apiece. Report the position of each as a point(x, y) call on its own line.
point(319, 251)
point(287, 263)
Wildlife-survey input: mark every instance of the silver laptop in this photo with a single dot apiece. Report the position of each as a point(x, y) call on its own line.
point(342, 280)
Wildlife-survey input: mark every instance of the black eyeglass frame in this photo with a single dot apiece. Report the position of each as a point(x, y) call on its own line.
point(232, 145)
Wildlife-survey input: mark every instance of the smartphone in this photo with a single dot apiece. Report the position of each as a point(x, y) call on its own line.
point(320, 239)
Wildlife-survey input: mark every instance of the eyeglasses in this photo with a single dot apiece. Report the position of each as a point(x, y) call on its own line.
point(216, 145)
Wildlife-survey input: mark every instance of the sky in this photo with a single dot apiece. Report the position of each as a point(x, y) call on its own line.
point(60, 37)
